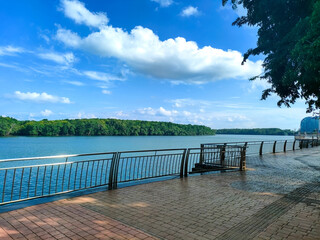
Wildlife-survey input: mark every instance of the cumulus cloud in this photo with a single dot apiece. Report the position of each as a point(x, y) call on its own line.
point(10, 50)
point(178, 60)
point(46, 113)
point(80, 14)
point(39, 97)
point(81, 115)
point(163, 3)
point(190, 11)
point(161, 112)
point(69, 38)
point(121, 114)
point(212, 118)
point(61, 58)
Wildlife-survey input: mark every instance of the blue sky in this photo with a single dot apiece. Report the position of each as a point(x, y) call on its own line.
point(160, 60)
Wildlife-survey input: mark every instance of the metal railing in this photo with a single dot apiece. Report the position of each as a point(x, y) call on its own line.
point(263, 147)
point(29, 178)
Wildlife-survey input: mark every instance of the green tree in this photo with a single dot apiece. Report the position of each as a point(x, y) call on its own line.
point(289, 36)
point(8, 126)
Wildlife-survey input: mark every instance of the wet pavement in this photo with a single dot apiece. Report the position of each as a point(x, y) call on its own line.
point(278, 197)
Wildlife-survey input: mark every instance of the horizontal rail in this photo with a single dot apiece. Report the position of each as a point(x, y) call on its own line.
point(55, 164)
point(248, 143)
point(53, 157)
point(83, 155)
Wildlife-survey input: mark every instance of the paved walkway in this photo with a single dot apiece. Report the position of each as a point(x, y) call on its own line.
point(278, 197)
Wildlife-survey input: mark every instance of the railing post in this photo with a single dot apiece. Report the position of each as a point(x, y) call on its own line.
point(182, 162)
point(112, 170)
point(201, 154)
point(294, 145)
point(274, 147)
point(115, 172)
point(243, 159)
point(222, 154)
point(261, 147)
point(285, 146)
point(186, 162)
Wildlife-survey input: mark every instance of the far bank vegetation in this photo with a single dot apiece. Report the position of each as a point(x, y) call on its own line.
point(98, 127)
point(115, 127)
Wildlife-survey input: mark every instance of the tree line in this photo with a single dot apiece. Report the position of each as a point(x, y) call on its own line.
point(98, 127)
point(256, 131)
point(115, 127)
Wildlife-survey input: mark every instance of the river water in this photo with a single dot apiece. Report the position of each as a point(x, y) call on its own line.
point(18, 147)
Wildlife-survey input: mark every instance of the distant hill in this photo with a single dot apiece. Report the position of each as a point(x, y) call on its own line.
point(98, 127)
point(256, 131)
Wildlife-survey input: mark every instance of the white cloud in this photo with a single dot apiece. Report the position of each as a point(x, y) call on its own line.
point(80, 14)
point(101, 76)
point(225, 118)
point(177, 60)
point(186, 102)
point(69, 38)
point(163, 3)
point(9, 66)
point(46, 113)
point(121, 114)
point(190, 11)
point(40, 97)
point(157, 112)
point(75, 83)
point(10, 50)
point(104, 91)
point(85, 115)
point(61, 58)
point(45, 37)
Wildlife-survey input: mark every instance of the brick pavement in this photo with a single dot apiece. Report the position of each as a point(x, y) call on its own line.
point(278, 197)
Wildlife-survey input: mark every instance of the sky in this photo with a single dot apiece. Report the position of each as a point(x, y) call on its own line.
point(158, 60)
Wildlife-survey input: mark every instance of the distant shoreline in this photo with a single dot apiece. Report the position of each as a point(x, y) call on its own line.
point(116, 127)
point(99, 127)
point(257, 131)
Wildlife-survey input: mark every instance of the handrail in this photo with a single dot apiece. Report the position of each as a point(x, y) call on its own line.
point(249, 142)
point(84, 155)
point(54, 157)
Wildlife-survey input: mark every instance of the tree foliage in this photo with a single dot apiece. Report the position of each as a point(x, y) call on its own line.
point(289, 36)
point(97, 127)
point(256, 131)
